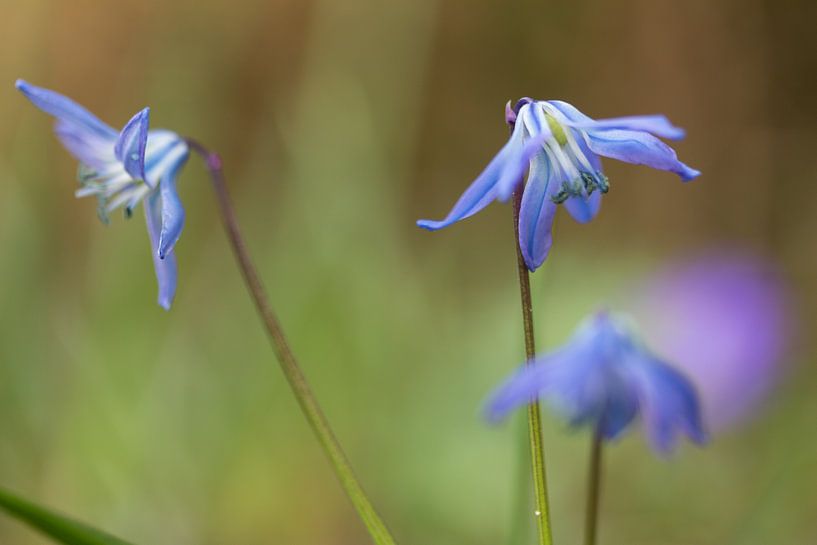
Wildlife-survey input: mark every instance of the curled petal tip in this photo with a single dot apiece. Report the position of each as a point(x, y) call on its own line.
point(688, 174)
point(532, 264)
point(510, 114)
point(430, 225)
point(493, 416)
point(165, 247)
point(20, 85)
point(165, 304)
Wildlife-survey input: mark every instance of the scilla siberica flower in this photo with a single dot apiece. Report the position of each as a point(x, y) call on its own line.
point(122, 169)
point(560, 148)
point(603, 378)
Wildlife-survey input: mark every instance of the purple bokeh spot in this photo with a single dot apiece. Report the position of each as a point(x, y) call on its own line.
point(724, 319)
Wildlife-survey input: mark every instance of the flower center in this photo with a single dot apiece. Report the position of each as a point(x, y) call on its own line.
point(557, 129)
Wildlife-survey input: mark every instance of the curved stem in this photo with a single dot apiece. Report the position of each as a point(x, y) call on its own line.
point(542, 512)
point(593, 490)
point(297, 381)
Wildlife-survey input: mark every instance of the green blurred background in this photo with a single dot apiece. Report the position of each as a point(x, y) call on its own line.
point(341, 123)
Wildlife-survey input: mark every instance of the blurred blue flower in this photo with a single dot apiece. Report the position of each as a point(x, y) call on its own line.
point(603, 378)
point(560, 148)
point(725, 319)
point(122, 169)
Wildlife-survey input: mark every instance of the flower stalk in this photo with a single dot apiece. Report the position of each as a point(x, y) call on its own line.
point(542, 512)
point(593, 489)
point(289, 365)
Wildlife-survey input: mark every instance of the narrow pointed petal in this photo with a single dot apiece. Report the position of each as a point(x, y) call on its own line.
point(65, 109)
point(526, 385)
point(88, 148)
point(172, 212)
point(669, 405)
point(165, 268)
point(498, 181)
point(536, 213)
point(559, 377)
point(131, 144)
point(639, 148)
point(659, 125)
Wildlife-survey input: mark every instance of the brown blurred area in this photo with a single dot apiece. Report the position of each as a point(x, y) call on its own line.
point(340, 124)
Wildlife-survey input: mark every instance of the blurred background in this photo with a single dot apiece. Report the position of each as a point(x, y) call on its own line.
point(340, 124)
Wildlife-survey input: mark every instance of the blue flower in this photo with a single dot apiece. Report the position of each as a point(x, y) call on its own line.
point(122, 169)
point(603, 378)
point(560, 147)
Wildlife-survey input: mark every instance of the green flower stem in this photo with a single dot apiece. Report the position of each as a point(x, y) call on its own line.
point(593, 490)
point(297, 381)
point(521, 500)
point(542, 512)
point(60, 528)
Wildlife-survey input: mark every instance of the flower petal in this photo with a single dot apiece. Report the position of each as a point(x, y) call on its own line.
point(669, 403)
point(583, 209)
point(498, 181)
point(567, 378)
point(172, 211)
point(65, 109)
point(526, 385)
point(165, 268)
point(657, 124)
point(638, 148)
point(87, 147)
point(131, 144)
point(536, 212)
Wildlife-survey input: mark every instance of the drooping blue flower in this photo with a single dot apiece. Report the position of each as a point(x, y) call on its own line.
point(604, 378)
point(123, 168)
point(560, 147)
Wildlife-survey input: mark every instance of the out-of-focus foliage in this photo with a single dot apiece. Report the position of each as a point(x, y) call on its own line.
point(60, 528)
point(340, 123)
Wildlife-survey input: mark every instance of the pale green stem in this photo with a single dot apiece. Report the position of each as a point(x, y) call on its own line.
point(297, 381)
point(521, 499)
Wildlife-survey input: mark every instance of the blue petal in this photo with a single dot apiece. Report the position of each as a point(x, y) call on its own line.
point(658, 125)
point(537, 212)
point(498, 181)
point(165, 268)
point(88, 148)
point(584, 209)
point(639, 148)
point(172, 210)
point(65, 109)
point(130, 146)
point(525, 386)
point(669, 404)
point(567, 378)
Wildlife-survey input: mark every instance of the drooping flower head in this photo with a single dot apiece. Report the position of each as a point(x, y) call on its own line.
point(604, 378)
point(725, 319)
point(560, 147)
point(121, 169)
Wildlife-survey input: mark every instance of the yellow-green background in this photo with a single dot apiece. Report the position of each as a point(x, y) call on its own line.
point(341, 123)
